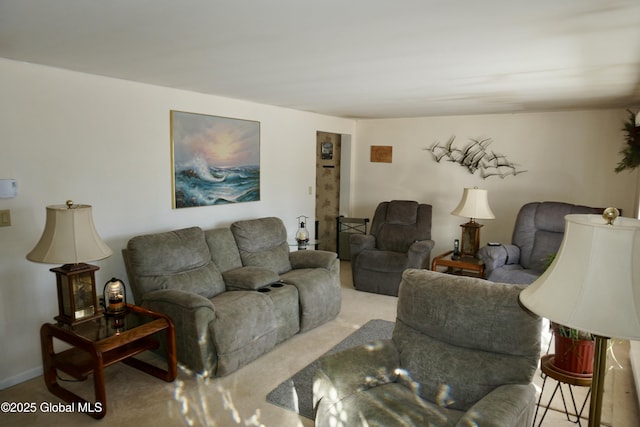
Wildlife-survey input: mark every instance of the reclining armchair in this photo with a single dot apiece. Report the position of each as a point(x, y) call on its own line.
point(537, 235)
point(400, 238)
point(452, 361)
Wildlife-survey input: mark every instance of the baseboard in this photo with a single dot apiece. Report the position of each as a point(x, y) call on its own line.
point(634, 357)
point(20, 378)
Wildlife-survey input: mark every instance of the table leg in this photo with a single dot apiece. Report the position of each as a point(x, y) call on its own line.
point(50, 375)
point(171, 372)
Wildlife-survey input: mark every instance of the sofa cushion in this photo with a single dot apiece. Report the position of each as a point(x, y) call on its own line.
point(263, 243)
point(177, 259)
point(223, 248)
point(245, 328)
point(390, 405)
point(403, 212)
point(320, 296)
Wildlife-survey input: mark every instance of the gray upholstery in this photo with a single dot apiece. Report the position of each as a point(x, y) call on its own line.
point(537, 235)
point(463, 352)
point(232, 293)
point(400, 238)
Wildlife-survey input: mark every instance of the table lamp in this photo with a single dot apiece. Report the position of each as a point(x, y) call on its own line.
point(593, 285)
point(473, 205)
point(70, 238)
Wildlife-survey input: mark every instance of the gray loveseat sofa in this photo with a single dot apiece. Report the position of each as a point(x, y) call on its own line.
point(232, 293)
point(463, 353)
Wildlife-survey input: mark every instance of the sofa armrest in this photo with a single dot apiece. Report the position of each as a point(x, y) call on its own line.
point(499, 256)
point(352, 370)
point(507, 405)
point(312, 259)
point(420, 253)
point(249, 278)
point(182, 300)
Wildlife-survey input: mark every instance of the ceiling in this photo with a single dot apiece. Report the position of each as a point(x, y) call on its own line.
point(348, 58)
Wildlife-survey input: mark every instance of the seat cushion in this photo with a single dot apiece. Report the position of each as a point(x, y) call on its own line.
point(388, 405)
point(244, 329)
point(320, 295)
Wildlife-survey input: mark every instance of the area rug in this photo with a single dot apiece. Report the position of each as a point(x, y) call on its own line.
point(296, 393)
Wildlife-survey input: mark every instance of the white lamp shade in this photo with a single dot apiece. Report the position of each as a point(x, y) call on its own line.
point(69, 237)
point(474, 204)
point(594, 282)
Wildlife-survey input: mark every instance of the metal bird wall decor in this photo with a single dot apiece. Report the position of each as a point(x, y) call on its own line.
point(475, 157)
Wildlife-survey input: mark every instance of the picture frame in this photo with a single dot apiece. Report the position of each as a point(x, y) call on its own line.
point(381, 154)
point(215, 160)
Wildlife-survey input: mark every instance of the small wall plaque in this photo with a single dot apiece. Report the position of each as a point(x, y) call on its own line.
point(381, 153)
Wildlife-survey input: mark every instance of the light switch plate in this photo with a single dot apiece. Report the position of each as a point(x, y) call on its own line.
point(5, 218)
point(8, 188)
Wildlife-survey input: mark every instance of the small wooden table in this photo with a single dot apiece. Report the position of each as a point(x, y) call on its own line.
point(550, 370)
point(99, 343)
point(465, 266)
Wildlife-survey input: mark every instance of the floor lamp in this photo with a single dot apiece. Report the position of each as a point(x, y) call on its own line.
point(593, 285)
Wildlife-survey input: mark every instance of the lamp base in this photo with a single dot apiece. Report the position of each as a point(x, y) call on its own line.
point(597, 383)
point(470, 242)
point(77, 301)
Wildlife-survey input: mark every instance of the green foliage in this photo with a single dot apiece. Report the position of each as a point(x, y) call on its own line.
point(631, 151)
point(574, 334)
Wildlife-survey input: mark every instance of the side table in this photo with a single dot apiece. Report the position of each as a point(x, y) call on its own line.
point(550, 370)
point(465, 266)
point(102, 342)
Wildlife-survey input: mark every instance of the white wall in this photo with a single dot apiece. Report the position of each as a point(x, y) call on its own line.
point(106, 142)
point(570, 156)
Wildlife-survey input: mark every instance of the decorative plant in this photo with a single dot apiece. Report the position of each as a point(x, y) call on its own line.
point(572, 333)
point(631, 151)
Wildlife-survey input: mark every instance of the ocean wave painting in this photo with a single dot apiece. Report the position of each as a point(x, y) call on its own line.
point(216, 160)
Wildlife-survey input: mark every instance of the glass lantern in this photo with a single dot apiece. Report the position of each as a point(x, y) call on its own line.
point(302, 235)
point(115, 298)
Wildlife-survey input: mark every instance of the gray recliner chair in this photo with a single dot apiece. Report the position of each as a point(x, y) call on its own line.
point(537, 235)
point(400, 238)
point(463, 353)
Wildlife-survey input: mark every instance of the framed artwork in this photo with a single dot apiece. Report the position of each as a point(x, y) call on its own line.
point(381, 153)
point(215, 160)
point(327, 150)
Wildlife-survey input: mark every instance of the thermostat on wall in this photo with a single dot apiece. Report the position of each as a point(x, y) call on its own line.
point(8, 188)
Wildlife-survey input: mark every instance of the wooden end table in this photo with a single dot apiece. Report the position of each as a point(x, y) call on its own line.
point(99, 343)
point(465, 266)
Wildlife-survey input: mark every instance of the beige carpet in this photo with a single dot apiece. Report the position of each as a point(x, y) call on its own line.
point(136, 399)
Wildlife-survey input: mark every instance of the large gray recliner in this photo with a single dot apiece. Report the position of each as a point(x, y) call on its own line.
point(463, 353)
point(399, 238)
point(537, 235)
point(232, 293)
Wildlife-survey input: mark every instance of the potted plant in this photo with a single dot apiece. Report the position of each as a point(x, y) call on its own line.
point(574, 350)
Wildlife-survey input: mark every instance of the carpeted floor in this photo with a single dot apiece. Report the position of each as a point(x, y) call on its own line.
point(296, 393)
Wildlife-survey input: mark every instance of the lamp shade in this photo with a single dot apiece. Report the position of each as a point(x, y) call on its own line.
point(69, 237)
point(474, 204)
point(593, 283)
